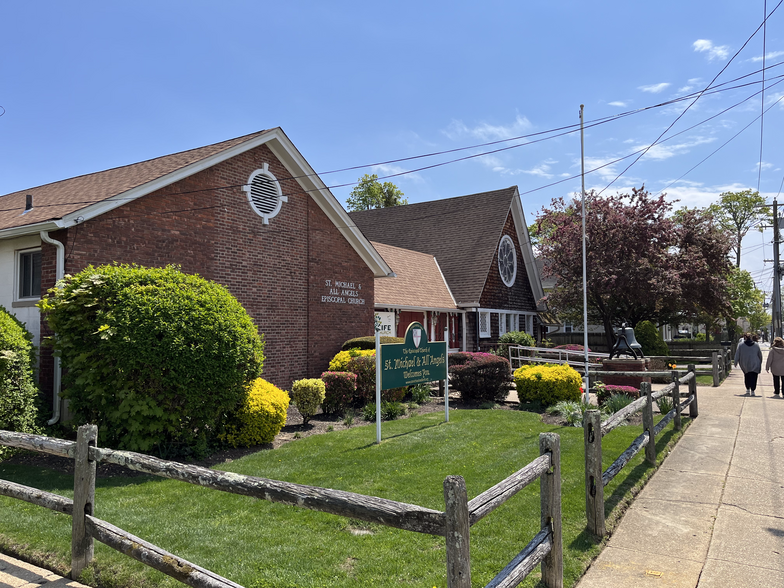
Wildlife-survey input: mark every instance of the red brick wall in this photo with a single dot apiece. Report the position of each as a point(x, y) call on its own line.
point(276, 271)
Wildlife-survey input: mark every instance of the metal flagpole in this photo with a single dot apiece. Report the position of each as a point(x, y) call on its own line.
point(586, 379)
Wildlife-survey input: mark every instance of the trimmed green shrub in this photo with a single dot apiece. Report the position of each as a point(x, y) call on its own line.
point(153, 356)
point(547, 384)
point(513, 338)
point(340, 389)
point(369, 342)
point(261, 416)
point(483, 378)
point(650, 339)
point(18, 393)
point(307, 394)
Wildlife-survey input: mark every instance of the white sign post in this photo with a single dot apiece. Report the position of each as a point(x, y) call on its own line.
point(446, 380)
point(378, 381)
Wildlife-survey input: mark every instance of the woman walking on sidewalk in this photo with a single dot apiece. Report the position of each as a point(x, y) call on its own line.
point(775, 363)
point(749, 356)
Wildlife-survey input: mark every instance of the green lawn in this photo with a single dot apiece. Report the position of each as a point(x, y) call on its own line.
point(264, 545)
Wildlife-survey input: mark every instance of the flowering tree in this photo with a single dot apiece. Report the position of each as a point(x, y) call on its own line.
point(643, 262)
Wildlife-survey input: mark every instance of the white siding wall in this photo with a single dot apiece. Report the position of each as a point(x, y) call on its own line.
point(9, 283)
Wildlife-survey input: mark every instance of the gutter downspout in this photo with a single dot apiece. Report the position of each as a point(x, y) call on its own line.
point(58, 372)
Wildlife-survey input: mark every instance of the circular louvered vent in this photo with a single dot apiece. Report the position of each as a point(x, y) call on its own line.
point(264, 193)
point(507, 260)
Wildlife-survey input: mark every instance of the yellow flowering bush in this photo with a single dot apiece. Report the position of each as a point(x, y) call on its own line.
point(339, 363)
point(260, 418)
point(547, 383)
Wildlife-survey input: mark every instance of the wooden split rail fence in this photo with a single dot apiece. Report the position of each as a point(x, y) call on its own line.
point(594, 429)
point(454, 523)
point(717, 365)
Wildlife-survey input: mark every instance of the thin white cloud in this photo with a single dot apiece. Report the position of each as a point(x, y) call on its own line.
point(699, 196)
point(486, 132)
point(713, 51)
point(606, 173)
point(776, 97)
point(664, 151)
point(654, 88)
point(765, 166)
point(398, 172)
point(771, 55)
point(618, 103)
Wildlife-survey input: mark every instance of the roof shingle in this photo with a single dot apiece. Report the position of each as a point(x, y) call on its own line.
point(54, 201)
point(419, 281)
point(462, 233)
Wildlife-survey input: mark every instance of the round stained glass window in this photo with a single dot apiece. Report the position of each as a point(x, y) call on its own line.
point(507, 260)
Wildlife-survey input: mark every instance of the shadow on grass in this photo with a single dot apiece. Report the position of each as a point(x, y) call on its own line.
point(387, 437)
point(54, 481)
point(637, 477)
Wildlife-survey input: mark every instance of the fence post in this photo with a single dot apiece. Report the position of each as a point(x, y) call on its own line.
point(594, 487)
point(550, 497)
point(647, 423)
point(693, 408)
point(458, 533)
point(83, 500)
point(715, 368)
point(676, 399)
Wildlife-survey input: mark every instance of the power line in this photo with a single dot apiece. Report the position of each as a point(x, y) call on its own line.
point(693, 102)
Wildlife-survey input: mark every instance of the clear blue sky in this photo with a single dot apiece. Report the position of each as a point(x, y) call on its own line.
point(87, 86)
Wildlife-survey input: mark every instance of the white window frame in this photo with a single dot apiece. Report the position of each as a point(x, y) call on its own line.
point(485, 334)
point(506, 239)
point(264, 171)
point(18, 275)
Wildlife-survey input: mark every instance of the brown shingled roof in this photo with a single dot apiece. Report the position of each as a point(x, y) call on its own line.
point(418, 283)
point(54, 201)
point(462, 233)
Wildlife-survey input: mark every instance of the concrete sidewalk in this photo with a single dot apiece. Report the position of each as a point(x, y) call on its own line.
point(713, 515)
point(19, 574)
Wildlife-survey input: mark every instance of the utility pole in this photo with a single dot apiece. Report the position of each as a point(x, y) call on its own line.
point(775, 312)
point(586, 379)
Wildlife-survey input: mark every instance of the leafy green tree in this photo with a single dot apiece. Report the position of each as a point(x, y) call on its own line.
point(747, 300)
point(650, 339)
point(738, 212)
point(153, 356)
point(370, 193)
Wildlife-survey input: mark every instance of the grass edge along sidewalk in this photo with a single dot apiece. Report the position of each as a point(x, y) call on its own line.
point(262, 545)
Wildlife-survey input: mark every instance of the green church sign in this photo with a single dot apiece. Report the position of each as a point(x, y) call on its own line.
point(417, 361)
